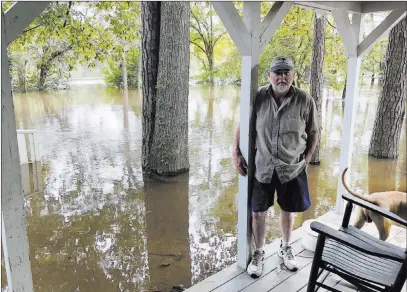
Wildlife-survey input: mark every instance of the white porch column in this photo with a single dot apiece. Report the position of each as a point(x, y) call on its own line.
point(250, 64)
point(351, 34)
point(251, 37)
point(14, 233)
point(348, 127)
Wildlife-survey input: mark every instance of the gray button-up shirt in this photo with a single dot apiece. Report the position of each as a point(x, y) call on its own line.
point(281, 133)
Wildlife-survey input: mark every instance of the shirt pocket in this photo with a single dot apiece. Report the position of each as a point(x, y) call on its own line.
point(292, 125)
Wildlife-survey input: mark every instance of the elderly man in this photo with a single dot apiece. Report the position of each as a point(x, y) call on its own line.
point(286, 129)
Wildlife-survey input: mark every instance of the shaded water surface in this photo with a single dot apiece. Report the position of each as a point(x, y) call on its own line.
point(98, 225)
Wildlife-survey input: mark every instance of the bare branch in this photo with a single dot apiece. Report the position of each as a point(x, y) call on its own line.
point(202, 61)
point(193, 42)
point(35, 27)
point(330, 23)
point(67, 13)
point(214, 43)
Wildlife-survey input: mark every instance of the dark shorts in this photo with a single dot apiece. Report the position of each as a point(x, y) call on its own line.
point(292, 196)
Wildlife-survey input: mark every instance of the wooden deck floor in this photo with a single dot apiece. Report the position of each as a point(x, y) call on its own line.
point(275, 277)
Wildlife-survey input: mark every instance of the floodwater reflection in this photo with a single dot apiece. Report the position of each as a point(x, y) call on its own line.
point(100, 225)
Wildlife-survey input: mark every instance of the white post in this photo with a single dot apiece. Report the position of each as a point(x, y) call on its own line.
point(352, 86)
point(250, 65)
point(37, 156)
point(22, 148)
point(250, 36)
point(14, 233)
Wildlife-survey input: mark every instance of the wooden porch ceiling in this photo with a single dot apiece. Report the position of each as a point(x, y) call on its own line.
point(359, 7)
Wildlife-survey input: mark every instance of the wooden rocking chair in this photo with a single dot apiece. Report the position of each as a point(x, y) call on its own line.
point(367, 262)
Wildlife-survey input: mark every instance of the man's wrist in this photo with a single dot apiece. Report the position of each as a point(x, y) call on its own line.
point(236, 149)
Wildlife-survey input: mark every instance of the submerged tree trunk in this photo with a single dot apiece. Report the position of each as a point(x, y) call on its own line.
point(124, 70)
point(165, 74)
point(392, 102)
point(317, 77)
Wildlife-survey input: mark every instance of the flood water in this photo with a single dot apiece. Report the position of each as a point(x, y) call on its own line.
point(98, 225)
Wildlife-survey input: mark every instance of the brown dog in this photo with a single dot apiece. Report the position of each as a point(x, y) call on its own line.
point(393, 201)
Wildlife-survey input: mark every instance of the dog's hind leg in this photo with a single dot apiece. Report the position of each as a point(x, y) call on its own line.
point(360, 219)
point(382, 225)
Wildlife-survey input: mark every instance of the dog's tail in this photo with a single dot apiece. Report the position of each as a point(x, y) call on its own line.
point(366, 198)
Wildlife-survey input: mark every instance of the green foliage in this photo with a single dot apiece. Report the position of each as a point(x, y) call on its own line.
point(113, 73)
point(372, 61)
point(335, 60)
point(124, 25)
point(205, 36)
point(62, 36)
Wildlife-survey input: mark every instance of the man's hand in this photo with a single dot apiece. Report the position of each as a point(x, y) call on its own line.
point(307, 159)
point(240, 162)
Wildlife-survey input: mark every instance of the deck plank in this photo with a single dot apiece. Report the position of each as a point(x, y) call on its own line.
point(296, 282)
point(275, 279)
point(277, 276)
point(228, 274)
point(244, 280)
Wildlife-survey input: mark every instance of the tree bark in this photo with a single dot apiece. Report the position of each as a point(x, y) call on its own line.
point(124, 69)
point(317, 77)
point(165, 87)
point(344, 88)
point(392, 102)
point(43, 76)
point(44, 68)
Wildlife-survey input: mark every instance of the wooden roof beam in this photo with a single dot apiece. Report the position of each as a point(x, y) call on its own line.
point(387, 24)
point(377, 6)
point(234, 25)
point(351, 7)
point(20, 15)
point(272, 22)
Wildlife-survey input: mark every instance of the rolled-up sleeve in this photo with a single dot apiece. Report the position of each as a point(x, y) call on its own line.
point(312, 125)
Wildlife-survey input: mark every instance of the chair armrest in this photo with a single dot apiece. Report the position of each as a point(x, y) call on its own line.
point(374, 208)
point(351, 241)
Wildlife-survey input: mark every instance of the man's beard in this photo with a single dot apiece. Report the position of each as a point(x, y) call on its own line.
point(281, 88)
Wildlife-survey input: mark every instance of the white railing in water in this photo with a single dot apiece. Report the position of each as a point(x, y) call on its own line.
point(32, 153)
point(30, 159)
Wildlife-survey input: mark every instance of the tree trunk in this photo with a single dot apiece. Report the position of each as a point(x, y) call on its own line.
point(124, 69)
point(165, 87)
point(210, 65)
point(44, 68)
point(43, 76)
point(344, 88)
point(317, 77)
point(392, 102)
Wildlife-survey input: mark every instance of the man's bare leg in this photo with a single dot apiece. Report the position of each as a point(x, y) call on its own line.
point(286, 225)
point(259, 228)
point(255, 268)
point(285, 251)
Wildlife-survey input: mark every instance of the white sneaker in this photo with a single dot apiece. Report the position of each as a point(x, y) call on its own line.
point(286, 253)
point(255, 268)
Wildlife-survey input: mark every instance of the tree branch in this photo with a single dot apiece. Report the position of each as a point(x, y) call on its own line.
point(32, 28)
point(67, 13)
point(202, 61)
point(330, 23)
point(193, 42)
point(216, 40)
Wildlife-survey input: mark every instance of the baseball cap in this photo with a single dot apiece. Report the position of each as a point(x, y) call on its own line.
point(282, 63)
